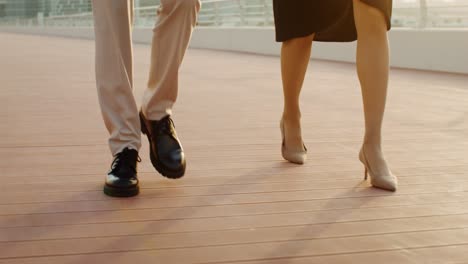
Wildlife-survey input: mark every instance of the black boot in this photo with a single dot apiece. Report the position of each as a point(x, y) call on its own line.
point(167, 155)
point(122, 180)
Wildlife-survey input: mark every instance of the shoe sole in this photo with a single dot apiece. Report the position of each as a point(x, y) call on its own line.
point(156, 163)
point(121, 192)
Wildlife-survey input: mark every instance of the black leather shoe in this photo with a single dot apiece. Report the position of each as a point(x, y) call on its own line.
point(122, 179)
point(166, 150)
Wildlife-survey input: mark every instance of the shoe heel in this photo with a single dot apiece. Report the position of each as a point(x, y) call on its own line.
point(385, 182)
point(297, 157)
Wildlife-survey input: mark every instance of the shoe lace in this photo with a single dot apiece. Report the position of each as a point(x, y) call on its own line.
point(165, 126)
point(121, 158)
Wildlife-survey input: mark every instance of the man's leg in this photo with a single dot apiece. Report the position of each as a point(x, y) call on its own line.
point(114, 78)
point(114, 72)
point(172, 33)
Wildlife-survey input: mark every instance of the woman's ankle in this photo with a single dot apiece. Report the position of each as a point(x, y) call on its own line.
point(291, 116)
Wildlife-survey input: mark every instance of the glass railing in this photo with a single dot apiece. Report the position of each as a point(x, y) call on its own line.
point(220, 13)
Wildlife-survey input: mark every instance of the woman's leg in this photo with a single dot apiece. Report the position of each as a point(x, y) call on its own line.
point(373, 69)
point(295, 56)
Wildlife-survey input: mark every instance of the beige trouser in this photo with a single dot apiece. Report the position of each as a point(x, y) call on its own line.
point(114, 65)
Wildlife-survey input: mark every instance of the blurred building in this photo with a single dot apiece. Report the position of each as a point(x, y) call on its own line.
point(19, 8)
point(30, 8)
point(233, 13)
point(2, 8)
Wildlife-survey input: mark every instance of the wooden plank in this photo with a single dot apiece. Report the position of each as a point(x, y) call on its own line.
point(421, 243)
point(196, 217)
point(235, 195)
point(263, 201)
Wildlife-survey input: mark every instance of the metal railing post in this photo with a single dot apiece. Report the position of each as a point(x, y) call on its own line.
point(136, 18)
point(241, 13)
point(422, 13)
point(266, 12)
point(40, 19)
point(216, 13)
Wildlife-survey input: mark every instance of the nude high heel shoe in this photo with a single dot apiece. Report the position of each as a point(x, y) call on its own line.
point(297, 157)
point(384, 181)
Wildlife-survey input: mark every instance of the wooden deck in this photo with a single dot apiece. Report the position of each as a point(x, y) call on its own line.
point(239, 202)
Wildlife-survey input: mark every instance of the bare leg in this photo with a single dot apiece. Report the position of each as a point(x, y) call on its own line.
point(295, 56)
point(373, 70)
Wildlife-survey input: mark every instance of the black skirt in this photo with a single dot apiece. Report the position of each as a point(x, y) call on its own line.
point(330, 20)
